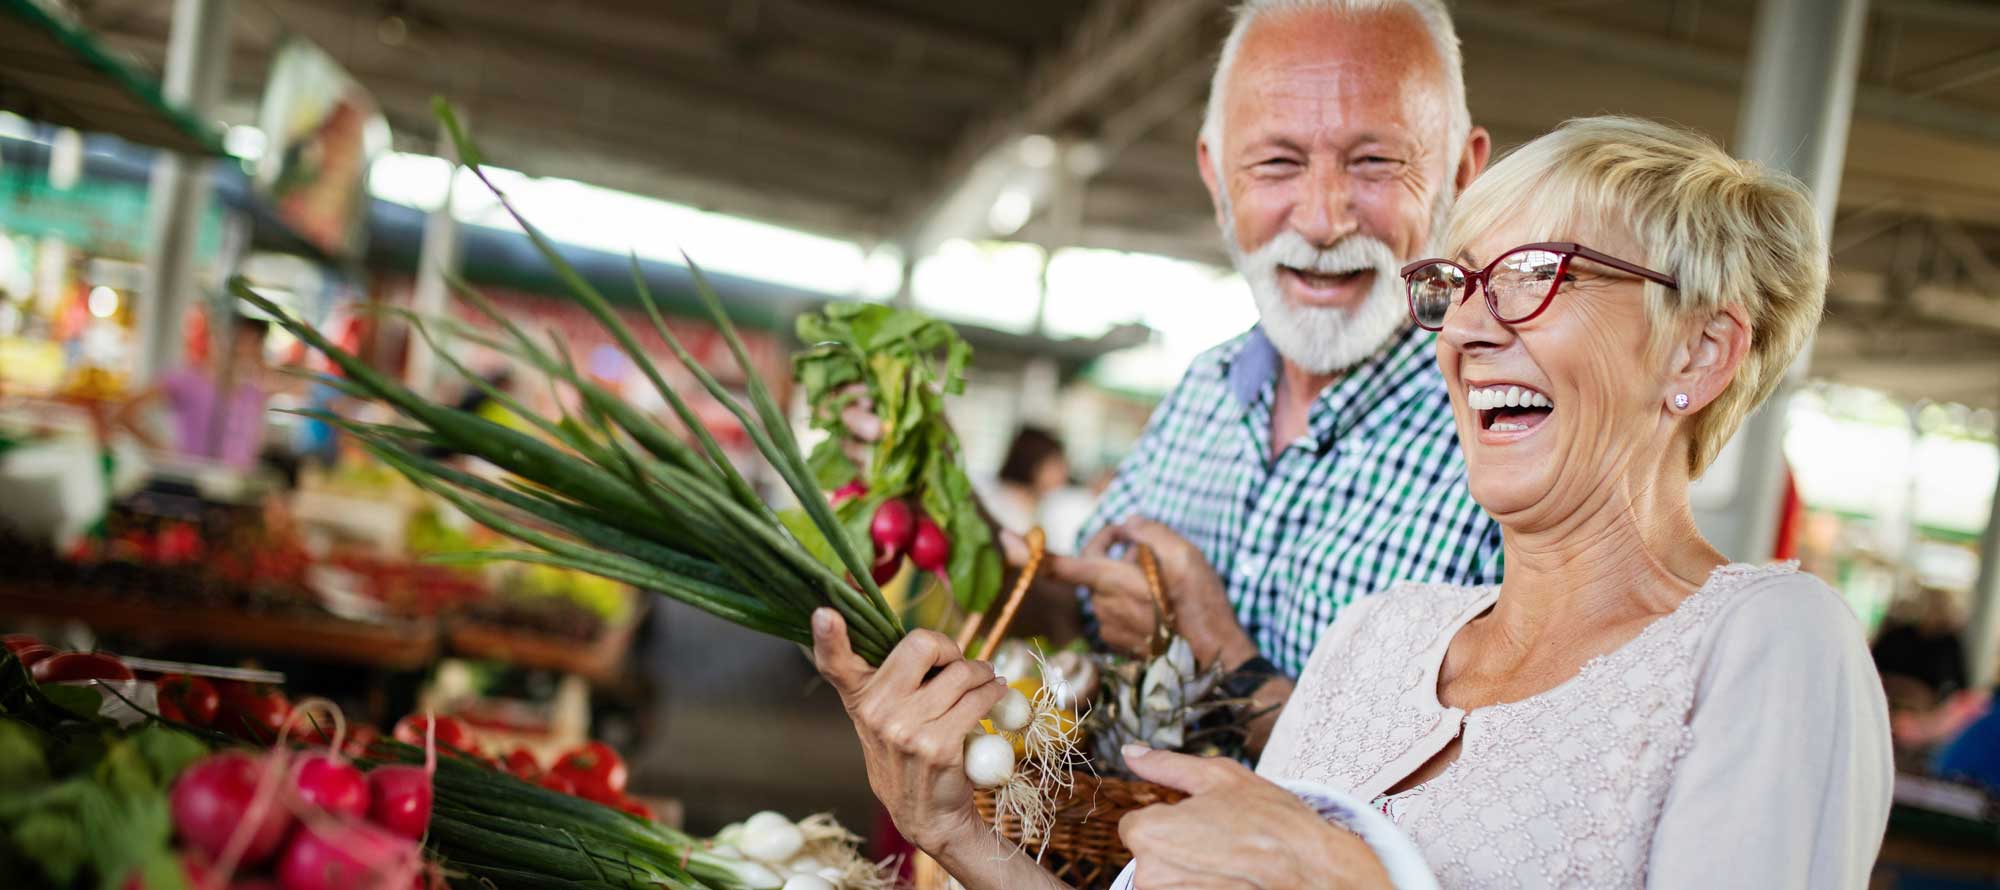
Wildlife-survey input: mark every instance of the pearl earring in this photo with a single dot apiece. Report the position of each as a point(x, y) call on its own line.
point(1681, 400)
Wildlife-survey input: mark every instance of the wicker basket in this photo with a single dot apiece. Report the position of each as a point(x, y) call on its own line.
point(1083, 849)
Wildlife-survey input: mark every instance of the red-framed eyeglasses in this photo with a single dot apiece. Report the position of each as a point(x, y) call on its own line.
point(1519, 285)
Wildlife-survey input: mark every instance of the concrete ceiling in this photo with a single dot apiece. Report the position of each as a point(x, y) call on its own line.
point(866, 118)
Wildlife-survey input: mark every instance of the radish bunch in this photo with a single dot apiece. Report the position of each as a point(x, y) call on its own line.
point(900, 530)
point(910, 497)
point(311, 819)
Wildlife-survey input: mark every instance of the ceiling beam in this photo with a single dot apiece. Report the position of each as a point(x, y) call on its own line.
point(1696, 63)
point(1956, 13)
point(1112, 41)
point(958, 46)
point(571, 98)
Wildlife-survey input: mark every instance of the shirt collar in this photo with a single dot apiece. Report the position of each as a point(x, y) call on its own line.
point(1343, 403)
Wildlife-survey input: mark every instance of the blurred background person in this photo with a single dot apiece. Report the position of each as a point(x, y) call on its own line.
point(212, 413)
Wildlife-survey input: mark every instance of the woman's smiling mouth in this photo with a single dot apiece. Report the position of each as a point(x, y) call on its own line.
point(1508, 408)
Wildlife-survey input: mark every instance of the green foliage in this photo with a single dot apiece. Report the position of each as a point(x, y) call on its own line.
point(891, 356)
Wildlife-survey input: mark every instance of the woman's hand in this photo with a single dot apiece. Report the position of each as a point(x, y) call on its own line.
point(1237, 831)
point(913, 730)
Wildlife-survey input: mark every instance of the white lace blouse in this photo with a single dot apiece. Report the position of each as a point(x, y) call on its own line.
point(1741, 741)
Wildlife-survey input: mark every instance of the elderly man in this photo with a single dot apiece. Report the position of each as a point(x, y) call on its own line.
point(1313, 459)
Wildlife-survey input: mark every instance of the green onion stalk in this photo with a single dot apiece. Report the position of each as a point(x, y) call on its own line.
point(608, 490)
point(490, 825)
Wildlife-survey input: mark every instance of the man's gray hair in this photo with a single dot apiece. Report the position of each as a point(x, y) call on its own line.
point(1432, 13)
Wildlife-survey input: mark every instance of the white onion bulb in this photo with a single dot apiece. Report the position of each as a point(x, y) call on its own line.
point(770, 837)
point(1012, 712)
point(989, 760)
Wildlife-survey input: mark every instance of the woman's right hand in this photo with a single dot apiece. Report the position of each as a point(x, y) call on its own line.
point(913, 730)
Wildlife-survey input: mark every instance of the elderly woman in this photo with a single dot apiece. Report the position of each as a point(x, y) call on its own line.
point(1626, 708)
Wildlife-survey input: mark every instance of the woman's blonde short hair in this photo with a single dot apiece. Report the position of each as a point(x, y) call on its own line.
point(1731, 231)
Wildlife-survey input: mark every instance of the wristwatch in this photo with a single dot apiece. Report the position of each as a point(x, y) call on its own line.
point(1249, 677)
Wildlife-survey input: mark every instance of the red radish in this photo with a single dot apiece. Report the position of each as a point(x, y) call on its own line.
point(71, 666)
point(344, 856)
point(891, 530)
point(29, 656)
point(849, 492)
point(213, 796)
point(17, 642)
point(930, 549)
point(333, 785)
point(400, 799)
point(451, 732)
point(885, 572)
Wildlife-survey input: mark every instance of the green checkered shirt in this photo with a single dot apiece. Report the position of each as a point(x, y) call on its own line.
point(1373, 495)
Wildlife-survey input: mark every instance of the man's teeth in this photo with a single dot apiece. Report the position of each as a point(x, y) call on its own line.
point(1490, 397)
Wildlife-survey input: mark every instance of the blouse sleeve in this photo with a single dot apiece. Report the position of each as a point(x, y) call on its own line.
point(1788, 780)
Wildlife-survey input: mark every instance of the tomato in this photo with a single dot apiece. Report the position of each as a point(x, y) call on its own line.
point(451, 733)
point(252, 713)
point(523, 765)
point(557, 782)
point(71, 666)
point(359, 737)
point(17, 642)
point(178, 543)
point(596, 770)
point(632, 806)
point(194, 698)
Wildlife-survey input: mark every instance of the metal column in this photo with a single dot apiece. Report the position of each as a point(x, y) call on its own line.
point(197, 59)
point(1982, 634)
point(1798, 99)
point(436, 259)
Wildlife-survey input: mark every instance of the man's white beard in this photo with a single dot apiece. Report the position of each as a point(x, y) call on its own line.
point(1324, 339)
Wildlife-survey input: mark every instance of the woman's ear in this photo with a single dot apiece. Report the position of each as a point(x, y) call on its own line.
point(1706, 359)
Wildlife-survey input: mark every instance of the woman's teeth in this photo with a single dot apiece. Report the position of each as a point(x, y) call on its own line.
point(1490, 397)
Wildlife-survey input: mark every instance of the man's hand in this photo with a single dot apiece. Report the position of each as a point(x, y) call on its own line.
point(1202, 612)
point(1237, 831)
point(1123, 603)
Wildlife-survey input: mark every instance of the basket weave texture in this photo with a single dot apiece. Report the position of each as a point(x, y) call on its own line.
point(1083, 845)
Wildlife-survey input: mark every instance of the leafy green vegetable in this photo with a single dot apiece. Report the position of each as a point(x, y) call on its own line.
point(890, 356)
point(22, 764)
point(55, 841)
point(83, 803)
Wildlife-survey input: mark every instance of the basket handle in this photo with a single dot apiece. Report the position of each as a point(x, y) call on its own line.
point(1037, 547)
point(1163, 608)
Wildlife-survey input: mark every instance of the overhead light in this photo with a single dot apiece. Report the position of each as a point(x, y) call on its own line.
point(103, 302)
point(65, 159)
point(1011, 209)
point(1084, 159)
point(244, 142)
point(1037, 150)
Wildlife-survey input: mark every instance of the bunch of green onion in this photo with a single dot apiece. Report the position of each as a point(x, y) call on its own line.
point(490, 825)
point(612, 492)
